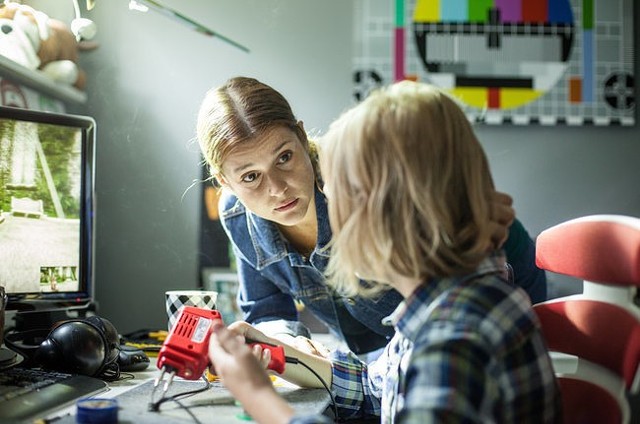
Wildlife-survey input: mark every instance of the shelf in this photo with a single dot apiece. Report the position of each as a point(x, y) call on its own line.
point(39, 82)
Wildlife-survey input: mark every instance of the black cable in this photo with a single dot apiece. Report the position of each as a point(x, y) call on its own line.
point(124, 376)
point(188, 411)
point(155, 406)
point(292, 360)
point(110, 372)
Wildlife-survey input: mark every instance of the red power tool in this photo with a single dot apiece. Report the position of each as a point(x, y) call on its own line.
point(185, 351)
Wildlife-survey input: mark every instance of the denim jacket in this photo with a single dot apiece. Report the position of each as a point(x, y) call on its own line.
point(272, 274)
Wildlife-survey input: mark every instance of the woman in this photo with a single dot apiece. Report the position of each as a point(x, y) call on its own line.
point(275, 215)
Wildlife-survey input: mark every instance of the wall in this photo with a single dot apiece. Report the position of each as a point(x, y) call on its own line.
point(145, 83)
point(560, 173)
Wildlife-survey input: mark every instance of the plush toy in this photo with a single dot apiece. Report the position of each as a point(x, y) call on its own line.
point(36, 41)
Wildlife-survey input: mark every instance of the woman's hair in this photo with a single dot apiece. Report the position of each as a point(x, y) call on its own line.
point(409, 188)
point(237, 112)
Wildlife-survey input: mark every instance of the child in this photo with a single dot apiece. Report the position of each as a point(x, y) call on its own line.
point(275, 214)
point(408, 186)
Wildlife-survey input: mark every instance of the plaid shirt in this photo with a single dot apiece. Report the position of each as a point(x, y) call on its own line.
point(466, 350)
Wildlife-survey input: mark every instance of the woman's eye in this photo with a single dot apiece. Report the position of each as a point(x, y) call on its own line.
point(285, 157)
point(249, 178)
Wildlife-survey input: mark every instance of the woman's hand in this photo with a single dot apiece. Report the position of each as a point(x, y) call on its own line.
point(502, 216)
point(306, 345)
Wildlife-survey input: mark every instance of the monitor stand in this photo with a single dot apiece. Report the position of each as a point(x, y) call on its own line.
point(30, 320)
point(45, 319)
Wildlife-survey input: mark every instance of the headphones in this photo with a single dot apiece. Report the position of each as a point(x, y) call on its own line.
point(87, 346)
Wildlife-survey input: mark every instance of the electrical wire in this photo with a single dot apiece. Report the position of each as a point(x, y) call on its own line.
point(181, 405)
point(110, 371)
point(292, 360)
point(155, 406)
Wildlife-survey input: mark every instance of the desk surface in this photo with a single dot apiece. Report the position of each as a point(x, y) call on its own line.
point(215, 404)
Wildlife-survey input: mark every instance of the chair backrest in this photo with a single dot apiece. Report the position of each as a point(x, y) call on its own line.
point(599, 248)
point(595, 335)
point(602, 324)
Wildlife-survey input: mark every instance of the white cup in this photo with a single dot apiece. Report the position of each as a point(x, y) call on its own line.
point(175, 300)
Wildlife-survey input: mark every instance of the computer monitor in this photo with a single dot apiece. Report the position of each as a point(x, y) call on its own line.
point(47, 196)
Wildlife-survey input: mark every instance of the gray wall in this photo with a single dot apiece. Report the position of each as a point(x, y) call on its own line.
point(559, 173)
point(146, 81)
point(150, 73)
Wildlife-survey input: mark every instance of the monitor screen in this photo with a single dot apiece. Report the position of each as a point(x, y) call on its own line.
point(46, 209)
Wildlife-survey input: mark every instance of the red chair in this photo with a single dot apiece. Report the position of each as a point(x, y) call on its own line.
point(594, 337)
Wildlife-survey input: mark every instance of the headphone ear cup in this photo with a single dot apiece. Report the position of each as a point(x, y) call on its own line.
point(110, 334)
point(75, 347)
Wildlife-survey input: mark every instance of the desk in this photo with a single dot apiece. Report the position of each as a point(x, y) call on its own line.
point(214, 405)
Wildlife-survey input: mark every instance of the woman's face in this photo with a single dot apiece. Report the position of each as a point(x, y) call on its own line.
point(272, 176)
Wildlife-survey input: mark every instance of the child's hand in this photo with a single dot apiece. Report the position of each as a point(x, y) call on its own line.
point(251, 334)
point(237, 364)
point(244, 376)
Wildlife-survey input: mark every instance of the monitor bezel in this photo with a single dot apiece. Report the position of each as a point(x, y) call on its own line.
point(84, 297)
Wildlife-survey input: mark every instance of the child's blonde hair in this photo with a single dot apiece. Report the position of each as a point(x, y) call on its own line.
point(409, 188)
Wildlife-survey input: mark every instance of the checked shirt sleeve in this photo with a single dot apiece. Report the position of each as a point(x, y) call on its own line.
point(354, 386)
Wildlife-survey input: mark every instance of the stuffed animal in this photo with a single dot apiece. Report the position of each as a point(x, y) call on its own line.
point(36, 41)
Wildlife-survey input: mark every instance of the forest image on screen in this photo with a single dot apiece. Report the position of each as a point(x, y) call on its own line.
point(40, 183)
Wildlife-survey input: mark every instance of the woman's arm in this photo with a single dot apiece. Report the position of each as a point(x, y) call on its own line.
point(295, 371)
point(521, 255)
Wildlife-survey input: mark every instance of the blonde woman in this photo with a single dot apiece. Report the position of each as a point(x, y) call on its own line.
point(408, 186)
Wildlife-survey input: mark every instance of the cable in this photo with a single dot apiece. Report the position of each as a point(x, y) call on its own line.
point(155, 406)
point(124, 376)
point(188, 411)
point(292, 360)
point(110, 372)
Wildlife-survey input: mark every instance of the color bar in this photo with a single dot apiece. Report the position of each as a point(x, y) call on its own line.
point(478, 10)
point(398, 35)
point(587, 14)
point(535, 11)
point(587, 66)
point(493, 98)
point(575, 90)
point(510, 10)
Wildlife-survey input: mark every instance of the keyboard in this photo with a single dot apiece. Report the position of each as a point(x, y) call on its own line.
point(30, 393)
